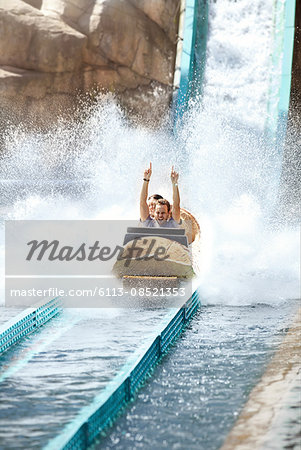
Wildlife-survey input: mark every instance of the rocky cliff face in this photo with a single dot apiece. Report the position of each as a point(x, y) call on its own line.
point(51, 50)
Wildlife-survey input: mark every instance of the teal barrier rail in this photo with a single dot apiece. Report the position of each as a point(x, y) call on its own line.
point(281, 71)
point(191, 60)
point(198, 55)
point(94, 419)
point(27, 322)
point(191, 53)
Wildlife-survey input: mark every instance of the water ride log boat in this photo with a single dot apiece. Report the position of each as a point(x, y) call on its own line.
point(159, 252)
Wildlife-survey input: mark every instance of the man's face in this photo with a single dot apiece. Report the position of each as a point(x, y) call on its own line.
point(151, 203)
point(161, 212)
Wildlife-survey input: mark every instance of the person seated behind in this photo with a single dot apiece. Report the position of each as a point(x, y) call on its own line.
point(162, 216)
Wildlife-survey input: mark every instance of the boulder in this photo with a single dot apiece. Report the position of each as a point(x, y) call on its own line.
point(35, 3)
point(162, 13)
point(55, 49)
point(30, 40)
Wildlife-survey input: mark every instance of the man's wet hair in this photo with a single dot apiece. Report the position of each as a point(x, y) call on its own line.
point(163, 201)
point(155, 197)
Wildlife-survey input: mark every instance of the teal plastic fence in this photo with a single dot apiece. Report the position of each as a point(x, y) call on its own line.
point(198, 53)
point(281, 70)
point(193, 47)
point(94, 419)
point(27, 322)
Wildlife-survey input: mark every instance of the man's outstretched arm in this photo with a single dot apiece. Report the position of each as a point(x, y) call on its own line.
point(144, 213)
point(176, 212)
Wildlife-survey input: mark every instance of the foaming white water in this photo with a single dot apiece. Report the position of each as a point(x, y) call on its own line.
point(247, 255)
point(240, 44)
point(227, 181)
point(245, 262)
point(245, 258)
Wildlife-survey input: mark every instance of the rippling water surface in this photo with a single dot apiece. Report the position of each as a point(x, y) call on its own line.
point(8, 313)
point(198, 390)
point(54, 372)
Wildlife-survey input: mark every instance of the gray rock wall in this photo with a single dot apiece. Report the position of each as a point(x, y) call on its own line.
point(50, 50)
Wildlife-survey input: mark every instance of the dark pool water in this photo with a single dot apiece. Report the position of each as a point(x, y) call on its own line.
point(51, 374)
point(8, 313)
point(198, 390)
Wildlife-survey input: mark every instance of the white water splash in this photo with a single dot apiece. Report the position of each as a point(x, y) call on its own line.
point(239, 59)
point(229, 187)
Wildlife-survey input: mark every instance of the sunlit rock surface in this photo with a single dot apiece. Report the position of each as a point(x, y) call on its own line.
point(52, 50)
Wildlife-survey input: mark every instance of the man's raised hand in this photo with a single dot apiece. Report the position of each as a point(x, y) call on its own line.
point(174, 176)
point(148, 172)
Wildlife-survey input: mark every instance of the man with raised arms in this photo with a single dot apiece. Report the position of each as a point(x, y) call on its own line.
point(162, 217)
